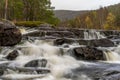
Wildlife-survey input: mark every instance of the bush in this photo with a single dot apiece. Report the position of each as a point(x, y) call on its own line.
point(29, 23)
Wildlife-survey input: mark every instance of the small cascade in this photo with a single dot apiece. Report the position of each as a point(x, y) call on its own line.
point(112, 56)
point(26, 30)
point(92, 34)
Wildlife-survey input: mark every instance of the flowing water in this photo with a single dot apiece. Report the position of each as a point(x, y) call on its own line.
point(92, 34)
point(61, 64)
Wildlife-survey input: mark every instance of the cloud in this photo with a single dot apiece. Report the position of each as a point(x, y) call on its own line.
point(82, 4)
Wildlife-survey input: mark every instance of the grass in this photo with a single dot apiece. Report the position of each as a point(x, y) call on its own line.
point(29, 23)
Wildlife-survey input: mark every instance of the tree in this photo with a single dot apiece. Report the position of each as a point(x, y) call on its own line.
point(6, 6)
point(88, 22)
point(28, 10)
point(110, 22)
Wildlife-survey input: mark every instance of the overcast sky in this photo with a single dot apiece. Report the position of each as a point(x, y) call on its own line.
point(81, 4)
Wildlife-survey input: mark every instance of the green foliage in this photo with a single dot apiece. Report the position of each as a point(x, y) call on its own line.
point(29, 10)
point(29, 23)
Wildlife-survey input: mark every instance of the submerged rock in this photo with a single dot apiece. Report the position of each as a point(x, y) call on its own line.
point(13, 55)
point(9, 34)
point(37, 63)
point(88, 53)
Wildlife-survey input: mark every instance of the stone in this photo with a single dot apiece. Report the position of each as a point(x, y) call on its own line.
point(37, 63)
point(88, 53)
point(1, 72)
point(62, 41)
point(9, 34)
point(13, 55)
point(60, 34)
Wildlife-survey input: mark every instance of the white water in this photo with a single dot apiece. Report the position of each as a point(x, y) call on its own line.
point(26, 30)
point(59, 62)
point(92, 34)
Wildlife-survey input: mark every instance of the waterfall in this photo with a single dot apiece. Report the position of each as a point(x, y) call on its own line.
point(59, 62)
point(112, 56)
point(92, 34)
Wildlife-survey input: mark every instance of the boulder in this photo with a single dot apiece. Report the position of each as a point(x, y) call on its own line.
point(88, 53)
point(97, 43)
point(37, 63)
point(9, 34)
point(13, 55)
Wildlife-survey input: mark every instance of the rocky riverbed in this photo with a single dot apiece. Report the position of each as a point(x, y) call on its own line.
point(46, 53)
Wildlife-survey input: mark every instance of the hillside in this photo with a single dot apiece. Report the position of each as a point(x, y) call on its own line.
point(114, 8)
point(65, 15)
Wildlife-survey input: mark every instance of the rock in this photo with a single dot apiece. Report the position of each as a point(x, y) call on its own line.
point(13, 55)
point(35, 34)
point(1, 72)
point(88, 53)
point(78, 32)
point(37, 63)
point(97, 43)
point(63, 41)
point(60, 34)
point(9, 34)
point(109, 32)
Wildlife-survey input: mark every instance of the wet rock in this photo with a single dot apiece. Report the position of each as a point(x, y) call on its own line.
point(63, 41)
point(9, 34)
point(62, 34)
point(109, 32)
point(13, 55)
point(39, 70)
point(88, 53)
point(37, 63)
point(97, 43)
point(35, 34)
point(1, 72)
point(77, 32)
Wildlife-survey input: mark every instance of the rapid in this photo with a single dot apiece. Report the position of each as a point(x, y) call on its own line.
point(41, 59)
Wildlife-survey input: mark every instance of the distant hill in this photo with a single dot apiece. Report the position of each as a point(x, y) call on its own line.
point(114, 8)
point(65, 15)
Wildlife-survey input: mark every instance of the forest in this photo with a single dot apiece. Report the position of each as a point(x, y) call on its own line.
point(28, 10)
point(103, 18)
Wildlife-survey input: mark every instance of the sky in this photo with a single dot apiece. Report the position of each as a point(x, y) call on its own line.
point(81, 4)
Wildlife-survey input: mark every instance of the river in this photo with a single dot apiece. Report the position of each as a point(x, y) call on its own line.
point(40, 59)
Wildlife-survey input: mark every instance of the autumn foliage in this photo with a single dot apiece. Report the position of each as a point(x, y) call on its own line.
point(96, 19)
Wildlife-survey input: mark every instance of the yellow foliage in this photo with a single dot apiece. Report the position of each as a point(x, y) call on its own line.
point(88, 22)
point(110, 22)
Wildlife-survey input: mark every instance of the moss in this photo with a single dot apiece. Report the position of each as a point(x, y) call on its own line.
point(29, 23)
